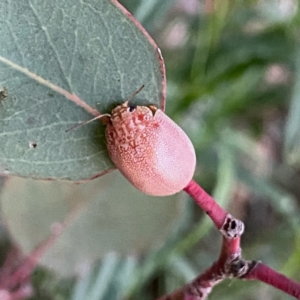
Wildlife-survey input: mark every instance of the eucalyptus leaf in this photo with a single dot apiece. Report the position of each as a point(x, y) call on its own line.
point(106, 214)
point(60, 64)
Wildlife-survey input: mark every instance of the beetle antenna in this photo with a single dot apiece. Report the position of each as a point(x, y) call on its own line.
point(105, 115)
point(88, 121)
point(135, 93)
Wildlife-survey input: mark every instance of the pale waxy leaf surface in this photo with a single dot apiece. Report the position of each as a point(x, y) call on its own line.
point(106, 214)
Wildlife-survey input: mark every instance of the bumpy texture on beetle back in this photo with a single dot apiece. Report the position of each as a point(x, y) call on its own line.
point(150, 149)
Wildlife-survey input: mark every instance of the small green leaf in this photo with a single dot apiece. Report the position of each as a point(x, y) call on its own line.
point(60, 62)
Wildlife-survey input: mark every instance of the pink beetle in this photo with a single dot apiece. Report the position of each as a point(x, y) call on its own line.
point(148, 148)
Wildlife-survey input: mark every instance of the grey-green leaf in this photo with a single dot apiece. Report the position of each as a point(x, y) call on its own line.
point(60, 62)
point(106, 214)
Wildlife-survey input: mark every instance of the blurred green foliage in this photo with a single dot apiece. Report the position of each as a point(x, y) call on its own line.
point(233, 76)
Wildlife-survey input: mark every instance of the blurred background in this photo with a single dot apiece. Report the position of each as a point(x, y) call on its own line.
point(233, 84)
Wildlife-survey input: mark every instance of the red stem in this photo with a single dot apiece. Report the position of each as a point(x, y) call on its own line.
point(265, 274)
point(27, 266)
point(207, 203)
point(23, 292)
point(231, 248)
point(199, 288)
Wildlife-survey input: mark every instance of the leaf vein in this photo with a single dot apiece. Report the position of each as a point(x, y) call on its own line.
point(45, 30)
